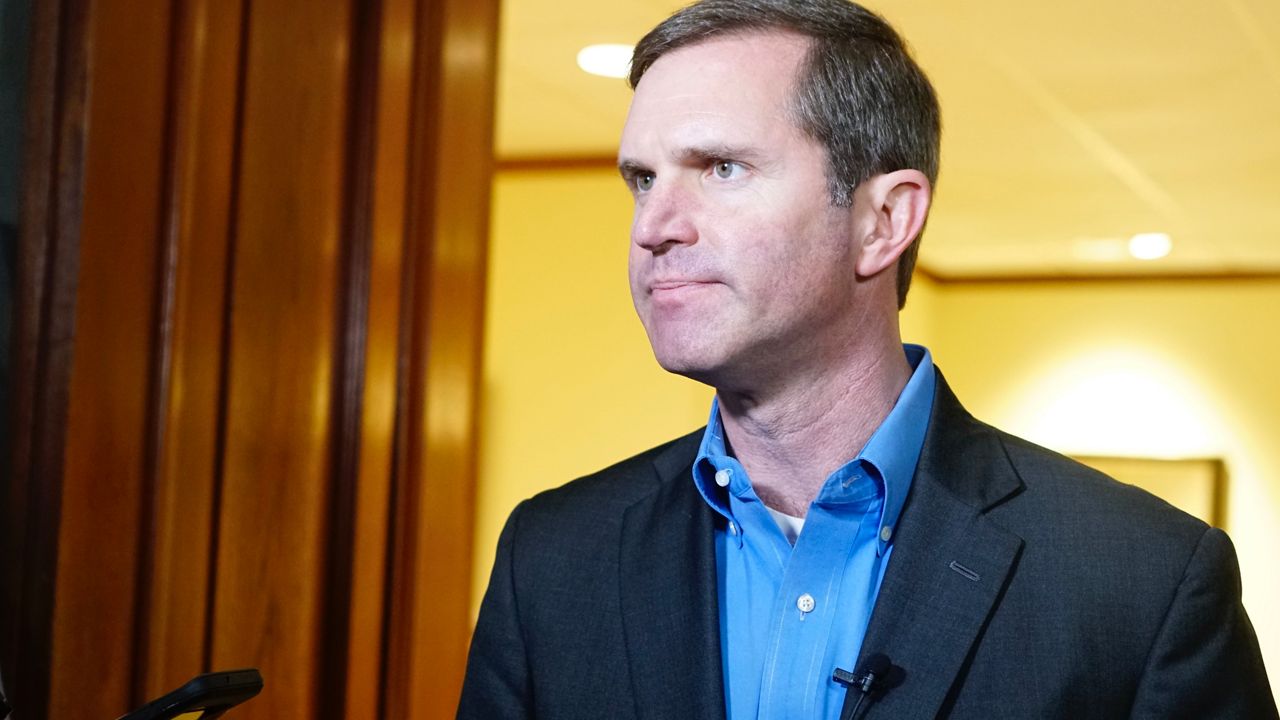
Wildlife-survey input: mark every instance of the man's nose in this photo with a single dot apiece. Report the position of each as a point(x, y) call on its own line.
point(665, 218)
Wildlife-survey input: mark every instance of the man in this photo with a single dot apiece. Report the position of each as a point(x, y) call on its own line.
point(842, 538)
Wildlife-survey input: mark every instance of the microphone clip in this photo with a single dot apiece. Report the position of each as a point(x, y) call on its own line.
point(868, 678)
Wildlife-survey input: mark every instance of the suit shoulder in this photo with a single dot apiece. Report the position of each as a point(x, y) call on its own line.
point(1068, 488)
point(620, 484)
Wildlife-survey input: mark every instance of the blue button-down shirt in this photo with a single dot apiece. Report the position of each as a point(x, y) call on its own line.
point(789, 616)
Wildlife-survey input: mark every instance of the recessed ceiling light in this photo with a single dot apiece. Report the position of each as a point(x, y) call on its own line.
point(608, 60)
point(1099, 249)
point(1150, 246)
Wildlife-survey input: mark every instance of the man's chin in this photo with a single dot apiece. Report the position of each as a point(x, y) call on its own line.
point(695, 366)
point(693, 350)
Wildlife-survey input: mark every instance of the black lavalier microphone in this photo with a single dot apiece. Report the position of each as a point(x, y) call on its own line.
point(870, 678)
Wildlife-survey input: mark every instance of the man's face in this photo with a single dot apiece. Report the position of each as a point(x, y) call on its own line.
point(740, 265)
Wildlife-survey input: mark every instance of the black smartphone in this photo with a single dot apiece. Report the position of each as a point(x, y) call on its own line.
point(203, 696)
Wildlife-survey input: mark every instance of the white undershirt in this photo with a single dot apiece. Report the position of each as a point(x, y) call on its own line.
point(788, 524)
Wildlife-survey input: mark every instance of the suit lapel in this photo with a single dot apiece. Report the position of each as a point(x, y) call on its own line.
point(948, 569)
point(949, 563)
point(668, 589)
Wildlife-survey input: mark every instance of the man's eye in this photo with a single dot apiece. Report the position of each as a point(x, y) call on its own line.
point(644, 182)
point(724, 169)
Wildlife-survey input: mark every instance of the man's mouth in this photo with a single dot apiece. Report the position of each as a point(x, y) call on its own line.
point(678, 284)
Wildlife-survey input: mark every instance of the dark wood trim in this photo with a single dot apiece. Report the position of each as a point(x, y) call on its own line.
point(1073, 278)
point(401, 525)
point(224, 343)
point(392, 682)
point(448, 178)
point(557, 163)
point(158, 375)
point(350, 340)
point(923, 272)
point(1221, 493)
point(196, 139)
point(48, 267)
point(420, 209)
point(37, 188)
point(1218, 466)
point(435, 501)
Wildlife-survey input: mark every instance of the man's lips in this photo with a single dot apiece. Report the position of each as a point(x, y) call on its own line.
point(678, 284)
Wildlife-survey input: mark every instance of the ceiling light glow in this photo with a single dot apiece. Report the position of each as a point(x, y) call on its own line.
point(1150, 246)
point(1122, 401)
point(1101, 250)
point(608, 60)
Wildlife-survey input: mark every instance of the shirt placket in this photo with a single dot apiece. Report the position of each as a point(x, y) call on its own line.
point(804, 610)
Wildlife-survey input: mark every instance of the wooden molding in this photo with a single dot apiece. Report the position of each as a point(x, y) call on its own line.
point(1076, 278)
point(267, 251)
point(433, 491)
point(44, 331)
point(553, 163)
point(350, 335)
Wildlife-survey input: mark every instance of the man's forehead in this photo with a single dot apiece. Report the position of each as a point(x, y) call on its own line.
point(773, 53)
point(734, 83)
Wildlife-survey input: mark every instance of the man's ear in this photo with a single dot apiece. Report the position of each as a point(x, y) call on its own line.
point(891, 209)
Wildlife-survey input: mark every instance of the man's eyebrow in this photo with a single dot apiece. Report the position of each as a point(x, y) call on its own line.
point(630, 168)
point(704, 154)
point(696, 155)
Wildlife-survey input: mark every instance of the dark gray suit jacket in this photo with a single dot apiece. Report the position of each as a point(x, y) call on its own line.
point(1022, 585)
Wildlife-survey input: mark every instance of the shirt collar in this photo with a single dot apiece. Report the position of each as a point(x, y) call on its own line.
point(713, 457)
point(893, 450)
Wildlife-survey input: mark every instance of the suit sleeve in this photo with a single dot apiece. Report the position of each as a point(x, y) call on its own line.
point(1205, 660)
point(497, 684)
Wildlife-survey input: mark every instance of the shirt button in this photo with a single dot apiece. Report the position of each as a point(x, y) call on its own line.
point(886, 532)
point(806, 603)
point(733, 528)
point(722, 477)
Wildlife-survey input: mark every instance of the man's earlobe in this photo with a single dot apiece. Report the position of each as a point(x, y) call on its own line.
point(896, 204)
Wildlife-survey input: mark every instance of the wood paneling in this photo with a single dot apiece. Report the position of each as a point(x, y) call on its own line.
point(264, 340)
point(434, 526)
point(44, 321)
point(201, 133)
point(553, 163)
point(364, 666)
point(105, 483)
point(271, 540)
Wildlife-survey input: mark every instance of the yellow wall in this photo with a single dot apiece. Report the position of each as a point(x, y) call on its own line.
point(570, 384)
point(1164, 369)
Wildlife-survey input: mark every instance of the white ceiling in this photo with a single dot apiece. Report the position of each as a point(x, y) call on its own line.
point(1067, 126)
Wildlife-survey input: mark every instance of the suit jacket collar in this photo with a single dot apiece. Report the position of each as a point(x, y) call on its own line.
point(670, 614)
point(950, 563)
point(948, 569)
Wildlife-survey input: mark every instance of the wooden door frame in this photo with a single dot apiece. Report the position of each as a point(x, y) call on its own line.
point(449, 170)
point(43, 339)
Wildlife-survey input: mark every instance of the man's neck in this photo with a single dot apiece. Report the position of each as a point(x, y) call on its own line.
point(790, 439)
